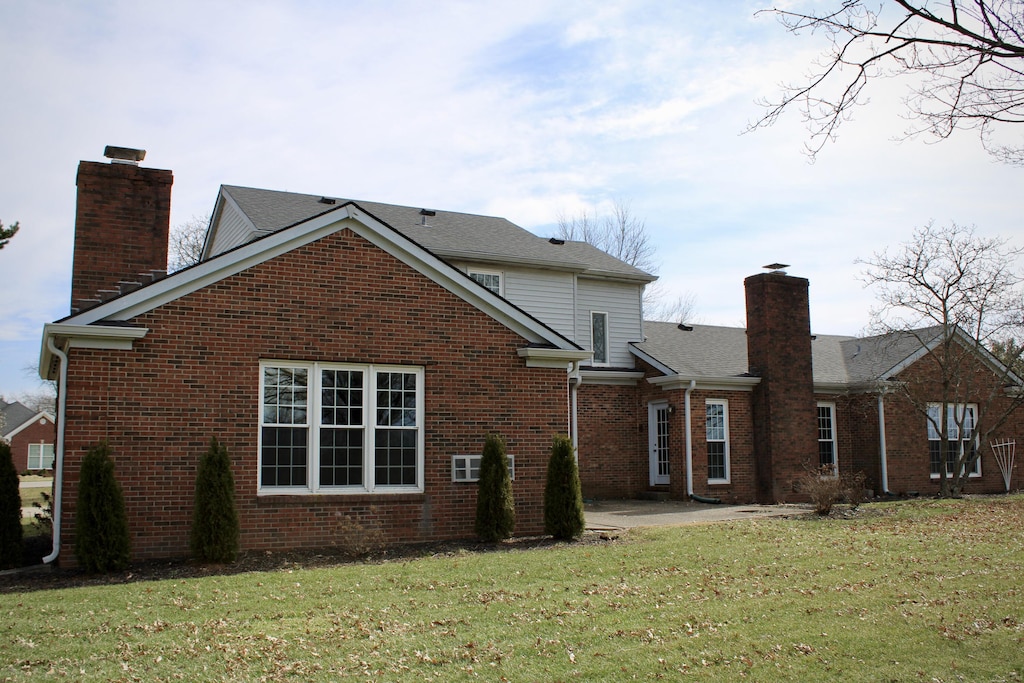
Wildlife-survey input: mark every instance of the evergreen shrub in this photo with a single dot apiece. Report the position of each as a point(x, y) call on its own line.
point(214, 536)
point(563, 497)
point(102, 543)
point(495, 508)
point(10, 511)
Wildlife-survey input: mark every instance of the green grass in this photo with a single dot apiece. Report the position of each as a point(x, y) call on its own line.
point(929, 591)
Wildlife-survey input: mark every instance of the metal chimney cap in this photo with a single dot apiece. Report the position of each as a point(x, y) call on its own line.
point(124, 155)
point(776, 266)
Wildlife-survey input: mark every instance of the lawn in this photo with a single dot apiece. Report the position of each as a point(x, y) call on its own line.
point(923, 590)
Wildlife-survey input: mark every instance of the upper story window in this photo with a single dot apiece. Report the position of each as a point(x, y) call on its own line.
point(599, 337)
point(490, 279)
point(827, 460)
point(339, 428)
point(716, 425)
point(959, 441)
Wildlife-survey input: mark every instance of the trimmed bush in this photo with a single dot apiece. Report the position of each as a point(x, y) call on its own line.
point(214, 536)
point(102, 543)
point(10, 511)
point(563, 498)
point(495, 509)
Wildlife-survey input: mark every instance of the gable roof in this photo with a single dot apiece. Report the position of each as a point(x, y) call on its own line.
point(447, 234)
point(107, 323)
point(709, 353)
point(16, 416)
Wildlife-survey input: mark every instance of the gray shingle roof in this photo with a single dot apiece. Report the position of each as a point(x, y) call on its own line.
point(14, 415)
point(447, 234)
point(709, 351)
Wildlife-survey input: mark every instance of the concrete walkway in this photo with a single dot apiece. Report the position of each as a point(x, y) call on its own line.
point(608, 515)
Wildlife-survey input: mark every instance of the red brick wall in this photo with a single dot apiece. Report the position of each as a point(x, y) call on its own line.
point(742, 486)
point(121, 226)
point(196, 376)
point(907, 435)
point(856, 418)
point(37, 432)
point(784, 412)
point(612, 444)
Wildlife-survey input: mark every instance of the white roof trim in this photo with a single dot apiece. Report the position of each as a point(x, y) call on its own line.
point(551, 358)
point(707, 383)
point(610, 377)
point(73, 336)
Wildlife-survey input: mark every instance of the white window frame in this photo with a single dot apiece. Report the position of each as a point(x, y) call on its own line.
point(466, 468)
point(831, 440)
point(313, 426)
point(952, 430)
point(43, 455)
point(607, 336)
point(724, 403)
point(481, 275)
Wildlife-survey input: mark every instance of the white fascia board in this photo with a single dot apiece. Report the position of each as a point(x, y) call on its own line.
point(552, 358)
point(346, 216)
point(652, 361)
point(611, 377)
point(671, 382)
point(75, 336)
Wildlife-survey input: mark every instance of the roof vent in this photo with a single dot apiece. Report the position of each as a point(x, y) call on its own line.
point(555, 240)
point(327, 200)
point(124, 155)
point(424, 214)
point(684, 327)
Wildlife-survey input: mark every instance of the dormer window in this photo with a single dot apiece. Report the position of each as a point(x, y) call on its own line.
point(488, 278)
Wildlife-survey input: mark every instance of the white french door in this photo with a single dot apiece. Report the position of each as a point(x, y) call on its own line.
point(657, 442)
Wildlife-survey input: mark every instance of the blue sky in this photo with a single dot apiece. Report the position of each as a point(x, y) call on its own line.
point(522, 109)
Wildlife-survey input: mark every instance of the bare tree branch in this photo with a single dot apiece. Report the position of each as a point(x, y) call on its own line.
point(964, 60)
point(186, 243)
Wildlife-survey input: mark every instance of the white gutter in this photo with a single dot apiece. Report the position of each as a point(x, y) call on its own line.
point(881, 443)
point(689, 440)
point(58, 464)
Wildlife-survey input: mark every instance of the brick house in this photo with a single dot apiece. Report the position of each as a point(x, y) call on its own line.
point(353, 355)
point(30, 434)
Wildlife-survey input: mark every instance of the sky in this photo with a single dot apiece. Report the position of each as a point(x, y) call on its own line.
point(525, 109)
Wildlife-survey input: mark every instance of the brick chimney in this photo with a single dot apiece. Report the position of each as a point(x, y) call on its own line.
point(122, 226)
point(784, 409)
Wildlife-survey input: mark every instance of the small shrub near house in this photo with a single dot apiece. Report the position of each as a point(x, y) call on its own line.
point(495, 508)
point(102, 543)
point(563, 497)
point(214, 536)
point(826, 489)
point(10, 511)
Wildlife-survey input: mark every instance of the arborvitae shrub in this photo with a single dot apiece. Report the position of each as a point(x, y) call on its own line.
point(495, 509)
point(10, 511)
point(214, 535)
point(102, 543)
point(563, 498)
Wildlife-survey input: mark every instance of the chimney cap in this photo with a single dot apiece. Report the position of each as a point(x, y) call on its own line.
point(776, 266)
point(124, 155)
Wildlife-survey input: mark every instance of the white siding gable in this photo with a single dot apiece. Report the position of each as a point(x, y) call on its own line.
point(621, 301)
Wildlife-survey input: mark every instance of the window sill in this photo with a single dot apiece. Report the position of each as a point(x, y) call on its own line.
point(718, 482)
point(972, 475)
point(295, 499)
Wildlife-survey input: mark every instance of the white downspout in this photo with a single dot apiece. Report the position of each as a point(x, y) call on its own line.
point(689, 440)
point(58, 466)
point(881, 443)
point(574, 383)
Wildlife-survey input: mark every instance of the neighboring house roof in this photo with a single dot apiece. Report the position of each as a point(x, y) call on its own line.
point(447, 234)
point(16, 416)
point(707, 352)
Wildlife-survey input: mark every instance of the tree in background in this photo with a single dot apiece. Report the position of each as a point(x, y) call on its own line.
point(102, 543)
point(495, 508)
point(963, 61)
point(952, 293)
point(563, 497)
point(1010, 353)
point(10, 511)
point(214, 536)
point(625, 236)
point(7, 233)
point(185, 247)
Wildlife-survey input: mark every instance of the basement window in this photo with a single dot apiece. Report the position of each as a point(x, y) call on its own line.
point(466, 468)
